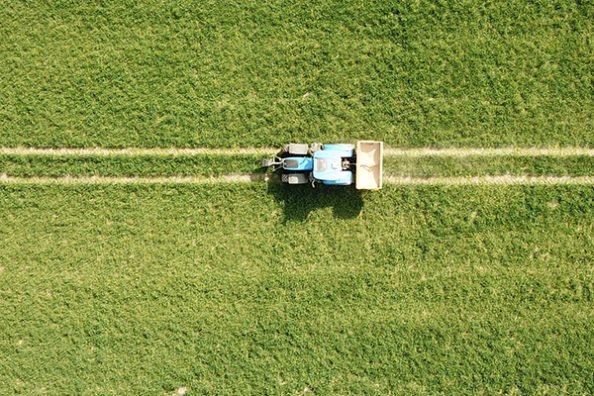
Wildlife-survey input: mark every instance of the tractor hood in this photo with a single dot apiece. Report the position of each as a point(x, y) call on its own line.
point(327, 165)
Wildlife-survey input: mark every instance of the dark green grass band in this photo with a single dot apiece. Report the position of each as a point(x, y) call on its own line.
point(235, 289)
point(247, 73)
point(214, 165)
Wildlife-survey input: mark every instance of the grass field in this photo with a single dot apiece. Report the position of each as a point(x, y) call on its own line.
point(255, 289)
point(154, 270)
point(250, 73)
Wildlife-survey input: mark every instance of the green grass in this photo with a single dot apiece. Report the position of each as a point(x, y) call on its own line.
point(213, 165)
point(261, 289)
point(241, 73)
point(248, 289)
point(479, 166)
point(82, 165)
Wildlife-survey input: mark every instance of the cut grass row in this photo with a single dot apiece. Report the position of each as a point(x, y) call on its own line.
point(497, 165)
point(214, 165)
point(246, 73)
point(228, 289)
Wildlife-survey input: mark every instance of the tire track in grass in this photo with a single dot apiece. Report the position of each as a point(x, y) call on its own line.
point(259, 177)
point(137, 151)
point(490, 180)
point(401, 152)
point(490, 152)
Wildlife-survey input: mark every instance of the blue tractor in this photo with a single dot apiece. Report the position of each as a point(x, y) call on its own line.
point(330, 164)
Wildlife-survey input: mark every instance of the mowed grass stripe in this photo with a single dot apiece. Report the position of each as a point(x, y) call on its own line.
point(490, 152)
point(231, 178)
point(261, 177)
point(204, 165)
point(144, 166)
point(388, 151)
point(431, 166)
point(137, 151)
point(490, 180)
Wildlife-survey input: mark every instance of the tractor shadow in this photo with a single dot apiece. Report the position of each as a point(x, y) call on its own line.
point(298, 201)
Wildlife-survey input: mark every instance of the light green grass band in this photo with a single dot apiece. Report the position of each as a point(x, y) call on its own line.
point(205, 165)
point(258, 177)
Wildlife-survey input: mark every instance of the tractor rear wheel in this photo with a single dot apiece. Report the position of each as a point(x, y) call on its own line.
point(295, 178)
point(296, 149)
point(315, 147)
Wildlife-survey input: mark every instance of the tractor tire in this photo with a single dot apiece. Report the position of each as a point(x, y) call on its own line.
point(295, 178)
point(315, 147)
point(296, 149)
